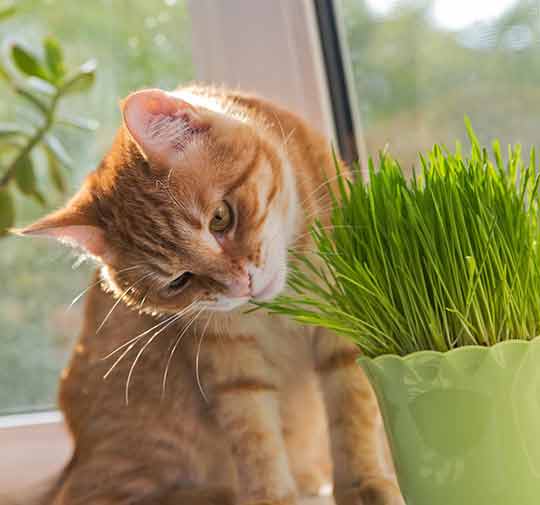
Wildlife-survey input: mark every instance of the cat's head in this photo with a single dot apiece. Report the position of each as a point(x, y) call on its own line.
point(192, 204)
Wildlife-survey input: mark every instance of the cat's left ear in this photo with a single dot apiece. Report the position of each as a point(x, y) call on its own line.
point(161, 124)
point(74, 226)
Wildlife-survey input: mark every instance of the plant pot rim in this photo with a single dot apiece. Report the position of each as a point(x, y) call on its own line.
point(498, 347)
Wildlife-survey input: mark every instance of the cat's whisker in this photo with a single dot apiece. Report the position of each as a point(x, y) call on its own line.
point(170, 193)
point(120, 298)
point(321, 205)
point(138, 337)
point(197, 374)
point(143, 301)
point(318, 212)
point(84, 291)
point(132, 343)
point(288, 137)
point(317, 253)
point(120, 358)
point(326, 182)
point(329, 227)
point(143, 348)
point(285, 138)
point(178, 340)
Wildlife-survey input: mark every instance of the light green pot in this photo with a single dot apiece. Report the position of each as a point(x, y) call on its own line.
point(463, 426)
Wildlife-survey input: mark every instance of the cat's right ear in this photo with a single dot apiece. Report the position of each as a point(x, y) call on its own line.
point(74, 226)
point(161, 124)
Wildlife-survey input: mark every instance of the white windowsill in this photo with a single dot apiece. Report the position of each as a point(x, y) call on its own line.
point(34, 448)
point(31, 419)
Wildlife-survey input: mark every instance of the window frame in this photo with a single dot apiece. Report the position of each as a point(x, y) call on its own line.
point(339, 77)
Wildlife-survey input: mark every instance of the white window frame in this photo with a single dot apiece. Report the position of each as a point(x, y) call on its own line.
point(283, 62)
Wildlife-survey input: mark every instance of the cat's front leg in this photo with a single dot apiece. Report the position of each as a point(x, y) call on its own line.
point(361, 474)
point(243, 393)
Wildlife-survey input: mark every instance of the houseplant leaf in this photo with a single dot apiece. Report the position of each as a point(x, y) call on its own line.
point(40, 86)
point(7, 10)
point(55, 172)
point(25, 178)
point(27, 62)
point(3, 74)
point(56, 149)
point(82, 80)
point(10, 129)
point(54, 58)
point(78, 122)
point(7, 211)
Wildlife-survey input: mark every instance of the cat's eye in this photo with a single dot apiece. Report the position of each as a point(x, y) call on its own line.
point(180, 282)
point(222, 218)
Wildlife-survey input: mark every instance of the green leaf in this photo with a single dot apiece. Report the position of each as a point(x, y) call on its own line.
point(78, 122)
point(3, 74)
point(25, 178)
point(7, 10)
point(35, 101)
point(27, 62)
point(41, 86)
point(11, 129)
point(55, 172)
point(40, 197)
point(7, 211)
point(54, 58)
point(82, 80)
point(55, 147)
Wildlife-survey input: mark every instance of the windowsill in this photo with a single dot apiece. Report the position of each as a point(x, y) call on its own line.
point(31, 419)
point(35, 447)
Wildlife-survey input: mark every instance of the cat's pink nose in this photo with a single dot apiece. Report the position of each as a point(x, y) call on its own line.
point(240, 286)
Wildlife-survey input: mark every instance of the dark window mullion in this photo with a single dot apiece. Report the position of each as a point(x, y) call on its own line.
point(337, 79)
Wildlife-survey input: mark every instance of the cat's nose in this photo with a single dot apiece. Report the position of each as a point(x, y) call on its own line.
point(240, 285)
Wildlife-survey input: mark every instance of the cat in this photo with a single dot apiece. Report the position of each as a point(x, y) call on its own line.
point(175, 393)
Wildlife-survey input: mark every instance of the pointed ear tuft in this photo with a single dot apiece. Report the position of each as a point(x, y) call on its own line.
point(71, 228)
point(161, 124)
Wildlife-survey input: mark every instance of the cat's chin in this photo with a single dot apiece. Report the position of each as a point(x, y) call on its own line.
point(271, 289)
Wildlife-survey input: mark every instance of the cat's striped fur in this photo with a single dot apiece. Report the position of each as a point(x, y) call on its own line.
point(240, 418)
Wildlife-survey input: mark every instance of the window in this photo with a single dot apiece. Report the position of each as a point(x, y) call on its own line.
point(136, 43)
point(268, 47)
point(419, 66)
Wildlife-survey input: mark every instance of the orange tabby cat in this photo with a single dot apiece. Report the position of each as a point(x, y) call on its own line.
point(191, 215)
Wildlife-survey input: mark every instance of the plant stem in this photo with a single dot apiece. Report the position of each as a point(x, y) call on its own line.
point(32, 141)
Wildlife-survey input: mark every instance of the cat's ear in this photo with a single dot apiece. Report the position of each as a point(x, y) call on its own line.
point(73, 226)
point(161, 124)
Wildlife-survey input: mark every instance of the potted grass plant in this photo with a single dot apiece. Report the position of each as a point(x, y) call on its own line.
point(437, 279)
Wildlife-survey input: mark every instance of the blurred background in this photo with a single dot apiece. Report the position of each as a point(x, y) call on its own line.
point(136, 43)
point(417, 66)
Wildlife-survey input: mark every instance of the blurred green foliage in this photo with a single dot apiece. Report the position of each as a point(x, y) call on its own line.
point(416, 75)
point(136, 43)
point(40, 80)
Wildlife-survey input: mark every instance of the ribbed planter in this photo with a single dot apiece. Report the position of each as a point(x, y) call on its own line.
point(463, 426)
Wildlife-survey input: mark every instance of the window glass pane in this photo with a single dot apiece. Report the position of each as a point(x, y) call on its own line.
point(136, 43)
point(420, 66)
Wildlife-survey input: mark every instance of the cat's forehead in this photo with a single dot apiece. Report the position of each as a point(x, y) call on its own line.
point(202, 172)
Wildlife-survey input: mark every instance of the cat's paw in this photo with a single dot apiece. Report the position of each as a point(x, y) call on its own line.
point(374, 491)
point(311, 484)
